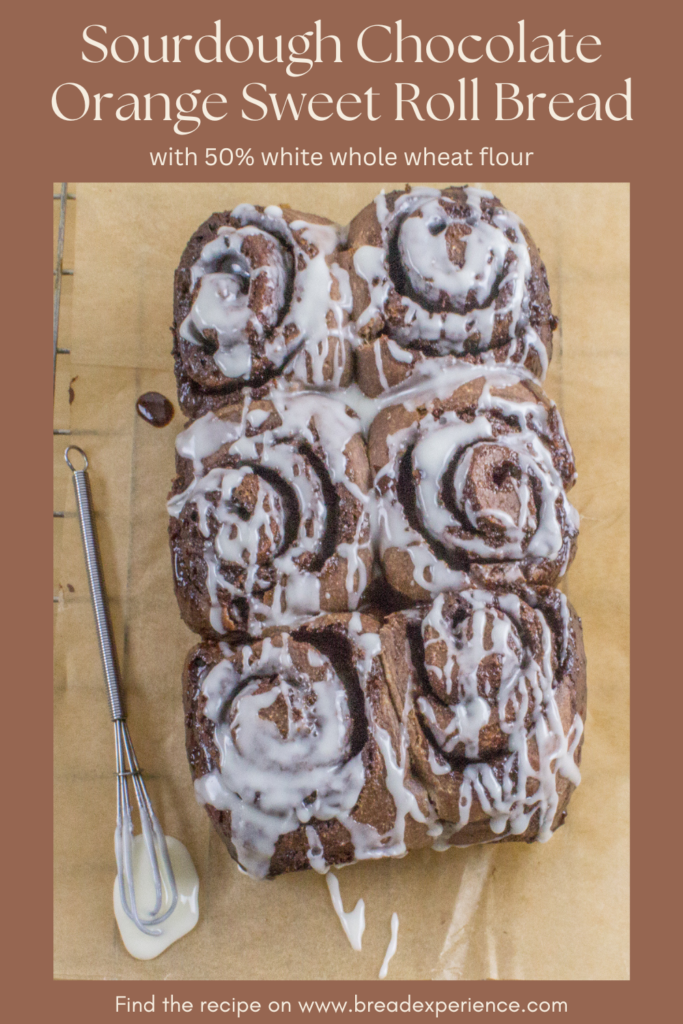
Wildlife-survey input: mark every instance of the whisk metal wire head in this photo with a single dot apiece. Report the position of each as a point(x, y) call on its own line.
point(165, 889)
point(127, 769)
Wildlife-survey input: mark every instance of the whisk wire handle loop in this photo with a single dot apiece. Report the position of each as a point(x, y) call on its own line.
point(163, 879)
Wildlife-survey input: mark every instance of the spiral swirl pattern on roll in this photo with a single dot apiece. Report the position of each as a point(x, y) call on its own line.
point(476, 478)
point(296, 750)
point(259, 292)
point(492, 686)
point(446, 273)
point(270, 514)
point(282, 734)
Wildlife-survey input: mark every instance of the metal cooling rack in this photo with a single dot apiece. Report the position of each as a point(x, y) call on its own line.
point(63, 197)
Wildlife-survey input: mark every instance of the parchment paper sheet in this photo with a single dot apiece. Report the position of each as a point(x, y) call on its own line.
point(555, 911)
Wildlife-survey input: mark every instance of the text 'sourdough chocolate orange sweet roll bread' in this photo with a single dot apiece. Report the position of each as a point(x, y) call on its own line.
point(270, 513)
point(297, 751)
point(258, 293)
point(492, 689)
point(443, 274)
point(471, 477)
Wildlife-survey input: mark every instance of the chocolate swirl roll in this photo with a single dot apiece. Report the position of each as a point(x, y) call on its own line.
point(270, 513)
point(296, 749)
point(259, 292)
point(444, 274)
point(492, 688)
point(471, 479)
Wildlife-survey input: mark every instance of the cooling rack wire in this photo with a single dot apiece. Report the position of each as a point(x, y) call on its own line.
point(63, 252)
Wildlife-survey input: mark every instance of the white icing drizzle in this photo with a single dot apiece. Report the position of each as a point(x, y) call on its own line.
point(391, 948)
point(437, 377)
point(321, 323)
point(526, 687)
point(441, 441)
point(257, 417)
point(224, 305)
point(439, 767)
point(365, 408)
point(489, 287)
point(315, 852)
point(204, 437)
point(380, 365)
point(443, 843)
point(392, 844)
point(464, 655)
point(401, 355)
point(271, 783)
point(352, 921)
point(256, 542)
point(246, 304)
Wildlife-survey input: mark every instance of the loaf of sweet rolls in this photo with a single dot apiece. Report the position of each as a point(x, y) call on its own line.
point(259, 293)
point(471, 478)
point(297, 751)
point(323, 725)
point(492, 689)
point(270, 513)
point(444, 274)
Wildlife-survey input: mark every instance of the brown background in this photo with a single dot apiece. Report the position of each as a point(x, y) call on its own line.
point(43, 51)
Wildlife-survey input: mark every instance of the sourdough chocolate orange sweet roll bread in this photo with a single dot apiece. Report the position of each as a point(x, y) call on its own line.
point(259, 293)
point(270, 513)
point(471, 478)
point(385, 661)
point(445, 274)
point(492, 688)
